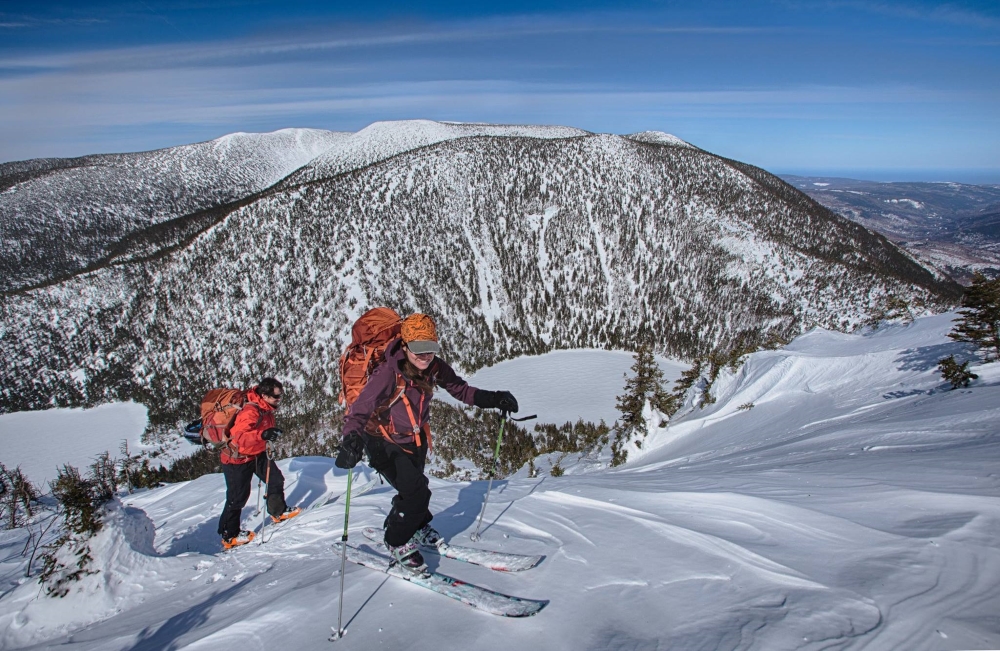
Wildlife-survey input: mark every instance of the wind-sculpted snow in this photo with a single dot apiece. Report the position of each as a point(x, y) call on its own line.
point(855, 506)
point(517, 245)
point(59, 217)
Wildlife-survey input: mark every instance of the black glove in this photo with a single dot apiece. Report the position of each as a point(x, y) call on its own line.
point(502, 400)
point(271, 434)
point(350, 451)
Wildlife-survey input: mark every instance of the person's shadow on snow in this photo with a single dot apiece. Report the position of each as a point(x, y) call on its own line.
point(167, 636)
point(462, 515)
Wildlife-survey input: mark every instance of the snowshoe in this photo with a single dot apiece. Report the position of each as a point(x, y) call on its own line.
point(241, 538)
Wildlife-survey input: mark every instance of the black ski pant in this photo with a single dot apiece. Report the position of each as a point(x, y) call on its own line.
point(403, 468)
point(239, 485)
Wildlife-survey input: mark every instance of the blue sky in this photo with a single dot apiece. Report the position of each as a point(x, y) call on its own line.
point(884, 90)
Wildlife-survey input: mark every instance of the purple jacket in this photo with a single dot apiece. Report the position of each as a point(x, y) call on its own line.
point(381, 386)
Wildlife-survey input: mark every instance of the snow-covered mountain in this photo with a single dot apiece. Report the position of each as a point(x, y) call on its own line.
point(854, 506)
point(382, 140)
point(59, 217)
point(518, 239)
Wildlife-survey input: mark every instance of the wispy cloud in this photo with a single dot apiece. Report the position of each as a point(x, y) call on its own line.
point(937, 12)
point(41, 22)
point(727, 77)
point(314, 43)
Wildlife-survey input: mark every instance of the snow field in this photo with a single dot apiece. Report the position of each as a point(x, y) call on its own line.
point(41, 442)
point(566, 385)
point(855, 506)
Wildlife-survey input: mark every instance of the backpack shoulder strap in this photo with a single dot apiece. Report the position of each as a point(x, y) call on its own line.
point(256, 407)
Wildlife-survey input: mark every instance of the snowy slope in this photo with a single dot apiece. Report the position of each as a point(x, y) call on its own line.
point(381, 140)
point(57, 216)
point(855, 506)
point(660, 138)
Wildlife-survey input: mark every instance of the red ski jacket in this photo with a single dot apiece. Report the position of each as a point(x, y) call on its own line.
point(255, 417)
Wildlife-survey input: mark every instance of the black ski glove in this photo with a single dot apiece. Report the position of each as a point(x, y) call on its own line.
point(350, 451)
point(271, 434)
point(503, 400)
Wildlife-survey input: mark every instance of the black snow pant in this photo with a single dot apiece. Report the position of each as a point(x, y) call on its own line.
point(403, 468)
point(239, 485)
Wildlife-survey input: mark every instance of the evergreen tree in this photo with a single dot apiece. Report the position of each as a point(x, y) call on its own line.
point(645, 384)
point(980, 320)
point(958, 374)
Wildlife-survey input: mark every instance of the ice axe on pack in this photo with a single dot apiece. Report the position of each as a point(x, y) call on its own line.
point(504, 417)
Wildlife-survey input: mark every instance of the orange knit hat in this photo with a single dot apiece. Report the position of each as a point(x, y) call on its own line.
point(419, 334)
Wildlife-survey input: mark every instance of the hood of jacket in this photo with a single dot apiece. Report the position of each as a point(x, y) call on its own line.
point(255, 398)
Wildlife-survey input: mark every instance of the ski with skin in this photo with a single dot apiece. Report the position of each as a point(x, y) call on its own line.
point(499, 561)
point(490, 601)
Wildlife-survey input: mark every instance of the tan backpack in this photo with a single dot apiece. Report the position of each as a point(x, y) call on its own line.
point(218, 413)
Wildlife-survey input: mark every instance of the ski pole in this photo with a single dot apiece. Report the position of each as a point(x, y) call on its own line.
point(504, 417)
point(267, 482)
point(339, 633)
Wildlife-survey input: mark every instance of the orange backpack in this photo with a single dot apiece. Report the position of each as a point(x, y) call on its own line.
point(370, 335)
point(218, 413)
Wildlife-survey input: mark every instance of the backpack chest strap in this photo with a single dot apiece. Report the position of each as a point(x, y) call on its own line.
point(388, 430)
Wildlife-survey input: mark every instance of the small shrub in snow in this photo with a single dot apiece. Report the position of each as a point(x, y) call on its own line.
point(81, 503)
point(958, 374)
point(746, 406)
point(17, 497)
point(472, 434)
point(104, 476)
point(571, 437)
point(894, 309)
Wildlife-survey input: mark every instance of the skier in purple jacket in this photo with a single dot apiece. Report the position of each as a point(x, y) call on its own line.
point(389, 421)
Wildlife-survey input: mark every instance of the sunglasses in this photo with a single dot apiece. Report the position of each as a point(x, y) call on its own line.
point(276, 397)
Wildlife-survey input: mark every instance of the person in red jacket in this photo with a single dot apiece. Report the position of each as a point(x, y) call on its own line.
point(247, 456)
point(390, 421)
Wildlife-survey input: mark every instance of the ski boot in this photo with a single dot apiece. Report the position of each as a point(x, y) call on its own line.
point(427, 536)
point(288, 514)
point(241, 538)
point(408, 557)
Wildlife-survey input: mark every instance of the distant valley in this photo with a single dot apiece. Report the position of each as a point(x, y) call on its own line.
point(952, 226)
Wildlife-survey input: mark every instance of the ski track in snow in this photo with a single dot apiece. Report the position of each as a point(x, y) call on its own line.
point(855, 506)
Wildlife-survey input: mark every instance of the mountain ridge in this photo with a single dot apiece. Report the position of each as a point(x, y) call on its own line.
point(517, 245)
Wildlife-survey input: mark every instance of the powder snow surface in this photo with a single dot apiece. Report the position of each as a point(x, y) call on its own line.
point(856, 505)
